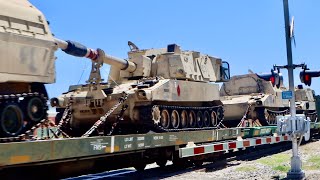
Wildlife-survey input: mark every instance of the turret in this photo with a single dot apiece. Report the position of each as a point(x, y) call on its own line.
point(169, 63)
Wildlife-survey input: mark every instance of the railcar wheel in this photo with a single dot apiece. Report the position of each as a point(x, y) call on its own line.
point(198, 163)
point(214, 119)
point(140, 166)
point(175, 119)
point(200, 119)
point(179, 163)
point(36, 110)
point(11, 120)
point(192, 119)
point(161, 162)
point(184, 119)
point(206, 119)
point(165, 118)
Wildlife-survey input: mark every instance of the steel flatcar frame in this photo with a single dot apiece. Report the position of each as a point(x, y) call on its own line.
point(51, 151)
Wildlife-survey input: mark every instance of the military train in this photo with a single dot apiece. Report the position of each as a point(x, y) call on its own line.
point(166, 89)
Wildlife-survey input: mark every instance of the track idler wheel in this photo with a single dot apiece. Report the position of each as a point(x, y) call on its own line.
point(175, 119)
point(165, 118)
point(192, 119)
point(184, 119)
point(11, 120)
point(36, 109)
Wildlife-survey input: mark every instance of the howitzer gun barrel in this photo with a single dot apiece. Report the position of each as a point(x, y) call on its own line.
point(79, 50)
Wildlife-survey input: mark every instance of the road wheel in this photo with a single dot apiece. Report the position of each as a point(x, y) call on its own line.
point(184, 119)
point(199, 119)
point(36, 109)
point(192, 119)
point(175, 119)
point(165, 118)
point(214, 120)
point(11, 120)
point(206, 119)
point(220, 114)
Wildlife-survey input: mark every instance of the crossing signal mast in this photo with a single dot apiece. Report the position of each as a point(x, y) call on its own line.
point(294, 124)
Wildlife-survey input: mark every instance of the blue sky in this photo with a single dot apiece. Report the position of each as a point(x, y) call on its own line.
point(248, 34)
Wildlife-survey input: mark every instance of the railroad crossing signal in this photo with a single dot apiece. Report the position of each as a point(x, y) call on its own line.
point(306, 76)
point(274, 77)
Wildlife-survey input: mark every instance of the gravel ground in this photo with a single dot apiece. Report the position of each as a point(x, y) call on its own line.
point(270, 167)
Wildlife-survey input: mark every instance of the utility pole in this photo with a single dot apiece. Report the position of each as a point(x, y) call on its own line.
point(295, 171)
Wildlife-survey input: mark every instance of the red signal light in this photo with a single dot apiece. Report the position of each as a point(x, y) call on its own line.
point(307, 77)
point(273, 80)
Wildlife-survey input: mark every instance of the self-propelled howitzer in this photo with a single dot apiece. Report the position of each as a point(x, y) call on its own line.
point(161, 89)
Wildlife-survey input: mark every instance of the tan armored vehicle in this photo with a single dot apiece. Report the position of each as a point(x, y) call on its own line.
point(249, 99)
point(306, 102)
point(27, 63)
point(255, 100)
point(161, 88)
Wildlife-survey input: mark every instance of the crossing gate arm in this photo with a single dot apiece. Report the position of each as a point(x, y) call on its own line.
point(233, 145)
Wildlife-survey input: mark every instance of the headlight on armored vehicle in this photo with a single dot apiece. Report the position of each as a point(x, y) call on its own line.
point(259, 102)
point(141, 94)
point(56, 102)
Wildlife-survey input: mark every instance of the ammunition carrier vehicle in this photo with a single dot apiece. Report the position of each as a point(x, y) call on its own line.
point(255, 100)
point(27, 63)
point(159, 89)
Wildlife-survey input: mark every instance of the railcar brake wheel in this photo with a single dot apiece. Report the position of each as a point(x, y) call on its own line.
point(192, 119)
point(184, 119)
point(175, 119)
point(165, 118)
point(36, 110)
point(199, 119)
point(11, 120)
